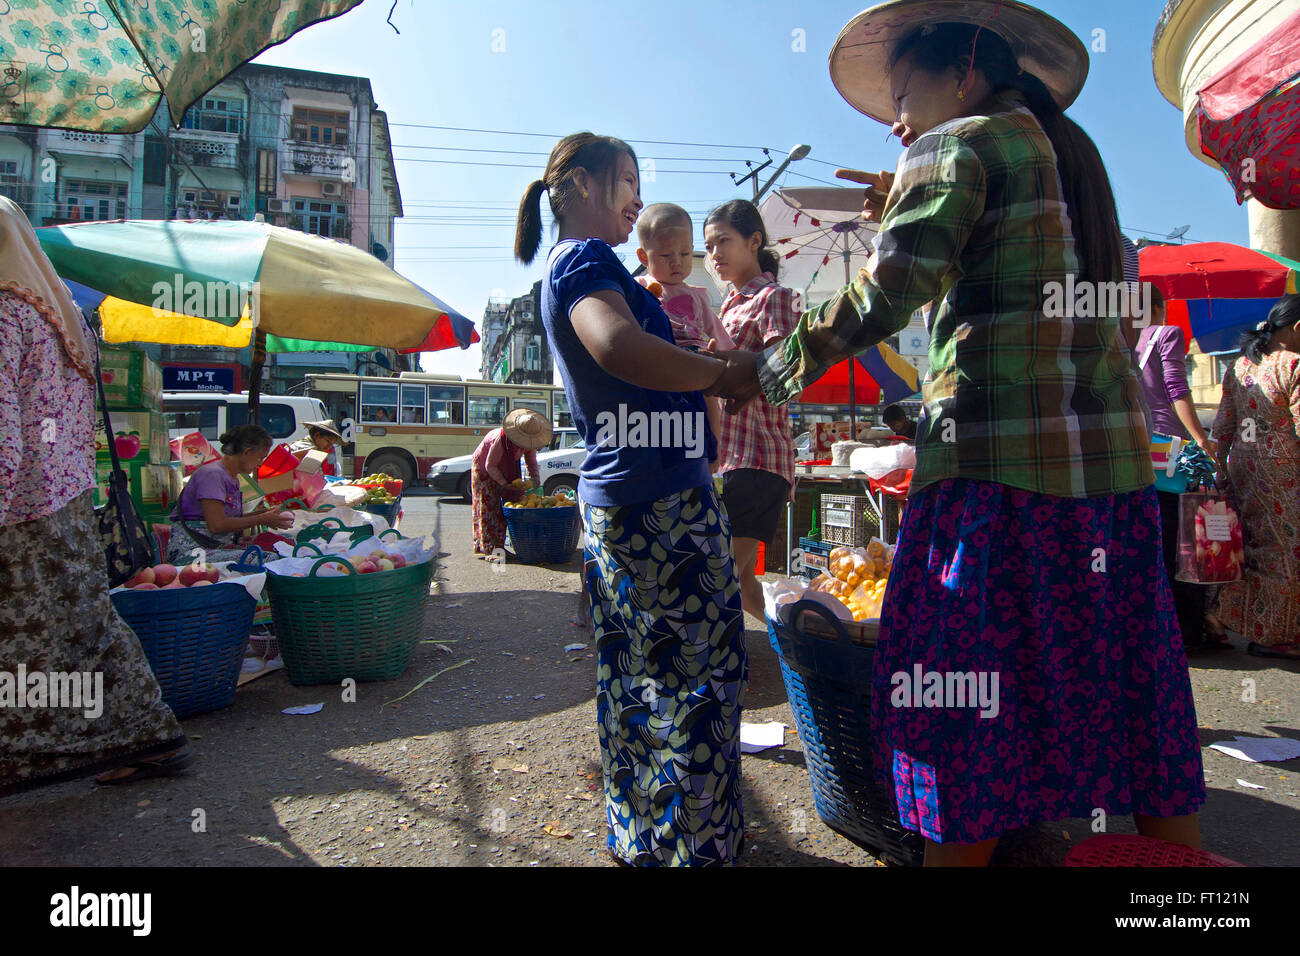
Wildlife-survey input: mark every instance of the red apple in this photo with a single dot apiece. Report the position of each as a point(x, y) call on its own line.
point(203, 583)
point(398, 560)
point(143, 576)
point(146, 586)
point(164, 574)
point(176, 584)
point(367, 567)
point(383, 564)
point(128, 446)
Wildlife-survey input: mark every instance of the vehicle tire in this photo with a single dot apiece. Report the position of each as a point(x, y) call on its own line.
point(392, 465)
point(462, 487)
point(559, 482)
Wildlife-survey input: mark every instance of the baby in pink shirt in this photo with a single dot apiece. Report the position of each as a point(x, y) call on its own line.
point(667, 250)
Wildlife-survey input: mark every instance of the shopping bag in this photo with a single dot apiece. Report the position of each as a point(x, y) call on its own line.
point(1210, 542)
point(1165, 451)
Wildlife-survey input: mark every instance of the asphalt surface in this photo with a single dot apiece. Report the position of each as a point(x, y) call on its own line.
point(496, 762)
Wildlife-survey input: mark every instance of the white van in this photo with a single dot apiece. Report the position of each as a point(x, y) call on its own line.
point(215, 413)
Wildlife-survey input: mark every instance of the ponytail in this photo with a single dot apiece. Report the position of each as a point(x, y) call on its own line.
point(598, 155)
point(1254, 344)
point(743, 217)
point(1085, 186)
point(528, 229)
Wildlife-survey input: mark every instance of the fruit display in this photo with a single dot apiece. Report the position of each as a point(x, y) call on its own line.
point(533, 500)
point(373, 563)
point(166, 577)
point(1220, 547)
point(381, 489)
point(857, 578)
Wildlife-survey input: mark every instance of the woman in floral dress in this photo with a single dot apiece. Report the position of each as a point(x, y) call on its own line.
point(1258, 430)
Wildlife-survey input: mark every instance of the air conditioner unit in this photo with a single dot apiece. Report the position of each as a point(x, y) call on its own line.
point(208, 197)
point(277, 205)
point(331, 189)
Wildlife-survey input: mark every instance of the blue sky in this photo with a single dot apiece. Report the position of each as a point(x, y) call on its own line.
point(697, 87)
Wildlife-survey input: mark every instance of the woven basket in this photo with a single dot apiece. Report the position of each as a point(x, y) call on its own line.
point(362, 626)
point(544, 535)
point(828, 681)
point(194, 639)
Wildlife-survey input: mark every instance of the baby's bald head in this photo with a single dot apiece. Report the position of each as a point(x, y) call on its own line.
point(659, 218)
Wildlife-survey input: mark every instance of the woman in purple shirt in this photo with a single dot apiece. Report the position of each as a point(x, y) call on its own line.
point(211, 508)
point(1163, 374)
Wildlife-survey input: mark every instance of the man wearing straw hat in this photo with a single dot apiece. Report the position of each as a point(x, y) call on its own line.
point(494, 469)
point(321, 436)
point(1029, 553)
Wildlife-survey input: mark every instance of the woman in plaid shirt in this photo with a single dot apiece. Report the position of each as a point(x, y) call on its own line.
point(757, 464)
point(1029, 555)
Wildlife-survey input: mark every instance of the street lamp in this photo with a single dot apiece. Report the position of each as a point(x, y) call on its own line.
point(796, 154)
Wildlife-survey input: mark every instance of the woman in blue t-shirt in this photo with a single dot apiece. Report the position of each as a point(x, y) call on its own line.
point(665, 603)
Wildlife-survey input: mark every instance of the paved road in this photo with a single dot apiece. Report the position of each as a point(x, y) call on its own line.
point(496, 762)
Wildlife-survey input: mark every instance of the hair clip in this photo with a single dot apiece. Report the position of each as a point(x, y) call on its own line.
point(1263, 326)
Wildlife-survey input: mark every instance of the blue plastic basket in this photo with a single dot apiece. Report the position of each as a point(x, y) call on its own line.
point(828, 681)
point(544, 535)
point(194, 639)
point(388, 512)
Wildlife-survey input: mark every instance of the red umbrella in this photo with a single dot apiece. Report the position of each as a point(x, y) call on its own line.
point(1217, 290)
point(1249, 119)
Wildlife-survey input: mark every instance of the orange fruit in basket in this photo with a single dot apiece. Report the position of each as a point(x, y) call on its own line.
point(837, 553)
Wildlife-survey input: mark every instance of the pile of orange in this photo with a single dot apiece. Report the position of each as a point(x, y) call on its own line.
point(857, 577)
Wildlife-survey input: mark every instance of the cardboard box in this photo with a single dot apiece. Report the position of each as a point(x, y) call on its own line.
point(826, 434)
point(154, 488)
point(131, 379)
point(313, 462)
point(141, 438)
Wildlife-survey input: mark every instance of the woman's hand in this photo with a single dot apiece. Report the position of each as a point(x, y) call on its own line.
point(511, 493)
point(877, 192)
point(277, 518)
point(738, 383)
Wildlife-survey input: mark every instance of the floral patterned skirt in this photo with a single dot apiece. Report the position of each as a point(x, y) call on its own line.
point(489, 522)
point(1067, 603)
point(57, 617)
point(672, 669)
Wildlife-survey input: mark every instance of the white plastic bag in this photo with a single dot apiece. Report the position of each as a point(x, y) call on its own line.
point(878, 462)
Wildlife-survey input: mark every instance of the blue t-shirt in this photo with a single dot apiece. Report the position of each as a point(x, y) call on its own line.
point(642, 444)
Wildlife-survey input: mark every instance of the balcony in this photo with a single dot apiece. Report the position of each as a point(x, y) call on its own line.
point(70, 142)
point(319, 160)
point(201, 147)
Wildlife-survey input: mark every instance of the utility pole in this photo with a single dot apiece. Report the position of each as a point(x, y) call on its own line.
point(796, 154)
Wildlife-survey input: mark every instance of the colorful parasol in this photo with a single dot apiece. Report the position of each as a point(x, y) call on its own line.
point(1248, 119)
point(1222, 289)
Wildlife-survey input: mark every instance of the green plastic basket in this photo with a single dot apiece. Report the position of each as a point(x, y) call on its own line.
point(362, 626)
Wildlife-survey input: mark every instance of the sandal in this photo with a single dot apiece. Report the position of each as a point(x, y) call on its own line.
point(1284, 652)
point(167, 765)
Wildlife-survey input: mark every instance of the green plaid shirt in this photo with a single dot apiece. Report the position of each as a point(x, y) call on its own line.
point(976, 226)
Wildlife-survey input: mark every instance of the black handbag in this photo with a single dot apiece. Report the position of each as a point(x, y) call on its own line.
point(128, 546)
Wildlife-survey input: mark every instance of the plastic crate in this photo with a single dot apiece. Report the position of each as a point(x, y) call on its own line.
point(388, 512)
point(544, 535)
point(1127, 849)
point(843, 521)
point(194, 639)
point(829, 681)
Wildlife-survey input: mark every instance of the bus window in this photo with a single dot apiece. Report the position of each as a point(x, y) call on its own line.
point(378, 402)
point(561, 402)
point(487, 411)
point(539, 406)
point(278, 419)
point(446, 405)
point(199, 417)
point(412, 404)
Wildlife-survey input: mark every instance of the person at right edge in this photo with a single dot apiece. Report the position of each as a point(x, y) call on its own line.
point(1029, 551)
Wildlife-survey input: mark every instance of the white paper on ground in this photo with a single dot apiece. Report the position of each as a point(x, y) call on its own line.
point(757, 737)
point(304, 709)
point(1249, 785)
point(1260, 749)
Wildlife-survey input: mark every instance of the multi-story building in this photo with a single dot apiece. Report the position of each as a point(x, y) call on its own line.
point(515, 347)
point(297, 148)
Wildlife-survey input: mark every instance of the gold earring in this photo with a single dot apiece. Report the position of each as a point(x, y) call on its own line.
point(961, 95)
point(584, 194)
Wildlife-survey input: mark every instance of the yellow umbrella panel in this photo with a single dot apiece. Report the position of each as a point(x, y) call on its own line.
point(131, 322)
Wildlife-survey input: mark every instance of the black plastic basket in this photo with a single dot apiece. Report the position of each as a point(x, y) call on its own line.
point(828, 681)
